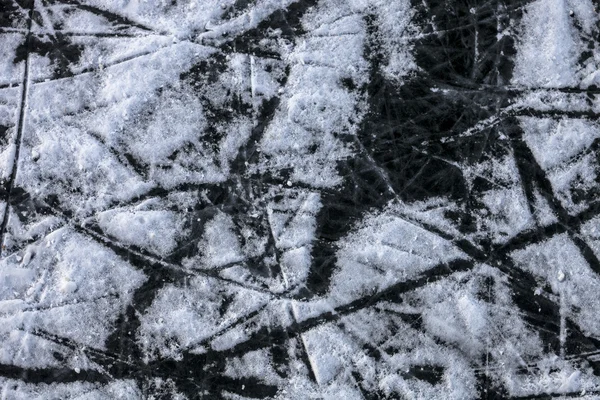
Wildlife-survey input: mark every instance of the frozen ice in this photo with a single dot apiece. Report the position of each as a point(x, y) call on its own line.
point(295, 199)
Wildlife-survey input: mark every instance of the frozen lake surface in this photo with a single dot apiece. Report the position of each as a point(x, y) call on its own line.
point(279, 199)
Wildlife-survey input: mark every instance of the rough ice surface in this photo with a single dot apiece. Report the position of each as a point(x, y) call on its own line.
point(296, 199)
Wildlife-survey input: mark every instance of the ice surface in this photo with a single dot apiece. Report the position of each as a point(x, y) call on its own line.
point(295, 199)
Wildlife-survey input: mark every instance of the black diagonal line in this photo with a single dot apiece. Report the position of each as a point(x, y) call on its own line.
point(110, 16)
point(546, 395)
point(50, 375)
point(181, 370)
point(288, 19)
point(278, 335)
point(89, 69)
point(92, 353)
point(20, 124)
point(85, 70)
point(149, 262)
point(533, 174)
point(542, 233)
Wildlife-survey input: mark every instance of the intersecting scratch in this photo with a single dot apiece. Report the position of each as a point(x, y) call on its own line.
point(325, 200)
point(20, 126)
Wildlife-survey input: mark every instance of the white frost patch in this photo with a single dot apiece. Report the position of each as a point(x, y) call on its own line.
point(395, 32)
point(10, 72)
point(255, 364)
point(337, 351)
point(153, 230)
point(458, 311)
point(178, 119)
point(555, 100)
point(549, 48)
point(169, 125)
point(508, 213)
point(432, 212)
point(316, 108)
point(76, 167)
point(120, 389)
point(562, 148)
point(292, 220)
point(28, 350)
point(585, 12)
point(383, 250)
point(293, 225)
point(121, 83)
point(554, 143)
point(554, 375)
point(505, 212)
point(220, 245)
point(591, 232)
point(72, 287)
point(559, 263)
point(21, 229)
point(581, 175)
point(75, 20)
point(182, 317)
point(327, 350)
point(543, 213)
point(9, 115)
point(216, 31)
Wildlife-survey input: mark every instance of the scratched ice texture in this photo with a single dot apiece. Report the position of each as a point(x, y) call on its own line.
point(299, 199)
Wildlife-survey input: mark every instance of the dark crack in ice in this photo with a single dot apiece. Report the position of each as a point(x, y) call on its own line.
point(299, 199)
